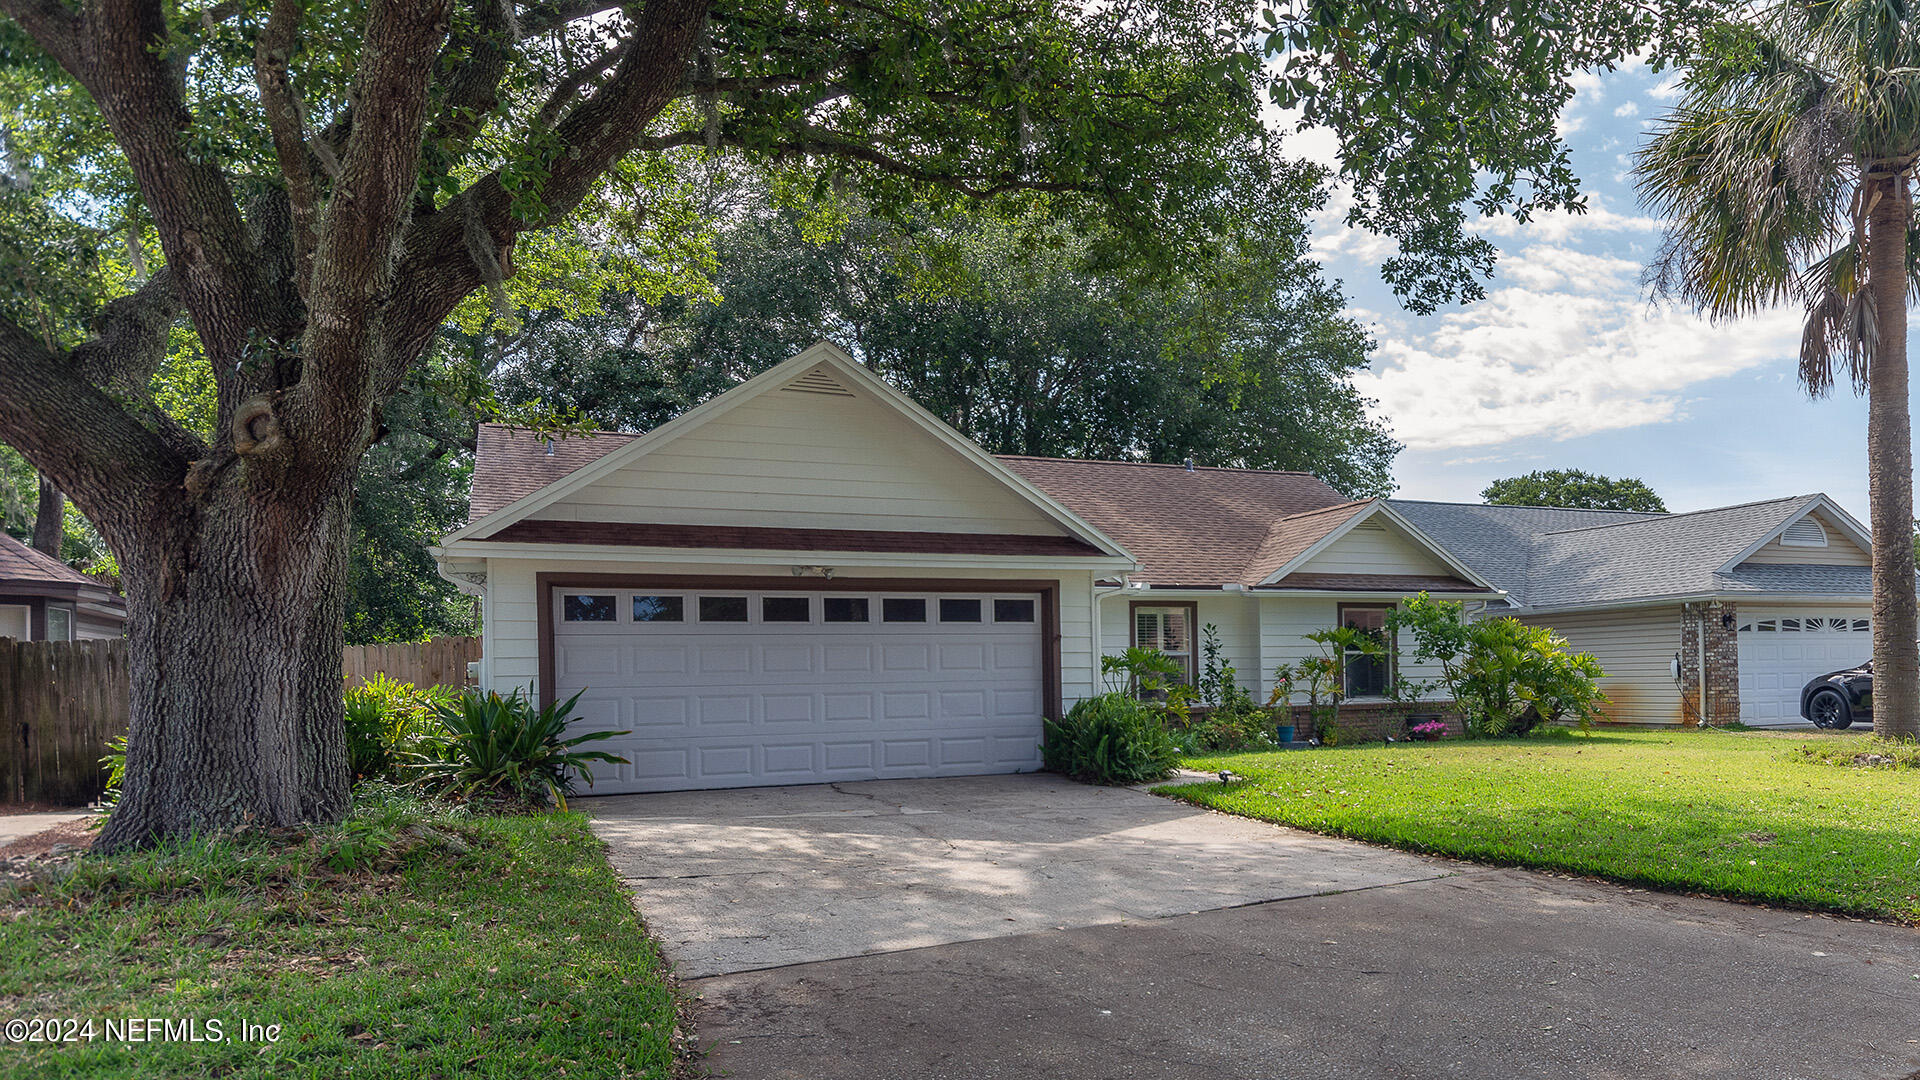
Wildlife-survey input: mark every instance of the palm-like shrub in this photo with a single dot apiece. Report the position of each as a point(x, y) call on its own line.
point(1111, 739)
point(385, 718)
point(505, 748)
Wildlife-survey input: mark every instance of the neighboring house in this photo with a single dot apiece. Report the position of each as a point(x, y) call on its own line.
point(42, 598)
point(812, 578)
point(1763, 596)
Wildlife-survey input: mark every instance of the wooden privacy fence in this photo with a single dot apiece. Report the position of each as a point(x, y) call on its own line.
point(60, 701)
point(440, 662)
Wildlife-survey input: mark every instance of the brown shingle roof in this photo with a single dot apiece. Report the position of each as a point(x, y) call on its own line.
point(1205, 528)
point(1292, 535)
point(512, 464)
point(1188, 528)
point(20, 563)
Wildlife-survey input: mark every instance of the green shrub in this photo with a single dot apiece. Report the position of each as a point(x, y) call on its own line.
point(1111, 739)
point(385, 721)
point(1240, 726)
point(1506, 677)
point(504, 748)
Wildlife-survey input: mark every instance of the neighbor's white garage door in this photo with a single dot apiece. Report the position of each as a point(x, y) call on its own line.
point(732, 688)
point(1781, 650)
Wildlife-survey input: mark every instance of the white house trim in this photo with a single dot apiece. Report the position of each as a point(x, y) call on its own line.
point(481, 549)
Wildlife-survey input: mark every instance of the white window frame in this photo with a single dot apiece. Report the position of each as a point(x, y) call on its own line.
point(65, 613)
point(1188, 610)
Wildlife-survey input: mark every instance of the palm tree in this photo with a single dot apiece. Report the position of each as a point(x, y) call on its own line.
point(1785, 175)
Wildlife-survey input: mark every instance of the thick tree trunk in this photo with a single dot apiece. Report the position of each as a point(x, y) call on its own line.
point(1896, 628)
point(49, 522)
point(234, 633)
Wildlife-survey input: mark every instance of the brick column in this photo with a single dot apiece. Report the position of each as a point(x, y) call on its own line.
point(1720, 622)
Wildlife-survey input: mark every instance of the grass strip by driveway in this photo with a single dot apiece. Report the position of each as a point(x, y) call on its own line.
point(404, 944)
point(1729, 814)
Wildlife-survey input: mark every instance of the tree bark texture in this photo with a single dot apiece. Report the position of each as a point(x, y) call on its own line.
point(49, 525)
point(1896, 626)
point(234, 633)
point(311, 302)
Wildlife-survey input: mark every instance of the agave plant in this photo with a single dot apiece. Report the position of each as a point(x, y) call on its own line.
point(504, 746)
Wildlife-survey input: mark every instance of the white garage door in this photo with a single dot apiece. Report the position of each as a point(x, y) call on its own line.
point(1781, 650)
point(732, 688)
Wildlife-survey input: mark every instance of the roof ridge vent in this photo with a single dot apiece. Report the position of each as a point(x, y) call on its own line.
point(818, 381)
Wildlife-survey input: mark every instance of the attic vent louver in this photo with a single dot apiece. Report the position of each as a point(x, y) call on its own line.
point(1804, 533)
point(1370, 526)
point(817, 381)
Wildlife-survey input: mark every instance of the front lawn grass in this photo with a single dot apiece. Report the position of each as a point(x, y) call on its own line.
point(1737, 815)
point(409, 943)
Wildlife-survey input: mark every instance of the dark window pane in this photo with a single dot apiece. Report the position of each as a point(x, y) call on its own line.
point(786, 609)
point(959, 611)
point(903, 609)
point(590, 608)
point(723, 609)
point(659, 609)
point(845, 608)
point(1013, 611)
point(1366, 675)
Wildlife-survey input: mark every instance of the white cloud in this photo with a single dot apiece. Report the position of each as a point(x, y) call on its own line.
point(1668, 88)
point(1627, 109)
point(1567, 349)
point(1558, 226)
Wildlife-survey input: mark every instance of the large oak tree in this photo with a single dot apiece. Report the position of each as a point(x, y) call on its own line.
point(327, 181)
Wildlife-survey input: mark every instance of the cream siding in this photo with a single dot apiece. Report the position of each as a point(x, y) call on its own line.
point(513, 628)
point(1636, 647)
point(1285, 622)
point(1368, 550)
point(1840, 550)
point(1236, 616)
point(807, 461)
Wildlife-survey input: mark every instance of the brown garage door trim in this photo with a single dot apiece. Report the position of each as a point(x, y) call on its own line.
point(545, 583)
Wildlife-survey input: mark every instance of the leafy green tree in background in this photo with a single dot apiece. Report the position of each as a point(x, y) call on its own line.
point(1011, 332)
point(1575, 490)
point(1786, 174)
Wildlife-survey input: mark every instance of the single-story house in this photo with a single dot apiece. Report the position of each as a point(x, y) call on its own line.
point(812, 578)
point(42, 598)
point(1761, 597)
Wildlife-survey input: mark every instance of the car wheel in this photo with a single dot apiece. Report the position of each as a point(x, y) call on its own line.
point(1827, 709)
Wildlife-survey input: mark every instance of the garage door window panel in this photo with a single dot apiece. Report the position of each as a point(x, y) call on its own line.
point(714, 609)
point(844, 609)
point(959, 610)
point(1013, 611)
point(590, 607)
point(659, 608)
point(786, 609)
point(903, 609)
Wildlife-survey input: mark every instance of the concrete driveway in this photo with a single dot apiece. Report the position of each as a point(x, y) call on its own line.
point(1026, 927)
point(761, 877)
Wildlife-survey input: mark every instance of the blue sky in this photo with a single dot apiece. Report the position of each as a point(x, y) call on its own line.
point(1568, 364)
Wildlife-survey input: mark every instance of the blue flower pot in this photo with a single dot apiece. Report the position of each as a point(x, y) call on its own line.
point(1283, 733)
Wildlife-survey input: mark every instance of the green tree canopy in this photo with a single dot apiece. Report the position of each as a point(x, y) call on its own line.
point(1574, 489)
point(1023, 343)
